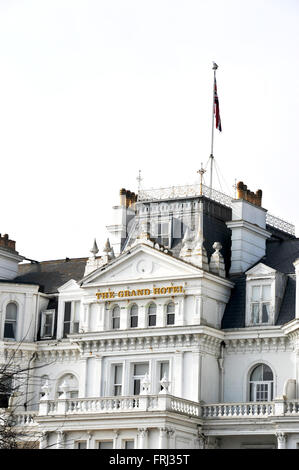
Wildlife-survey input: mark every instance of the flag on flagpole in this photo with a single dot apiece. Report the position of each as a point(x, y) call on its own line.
point(216, 108)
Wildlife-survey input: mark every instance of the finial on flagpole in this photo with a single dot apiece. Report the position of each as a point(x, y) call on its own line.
point(139, 179)
point(201, 172)
point(215, 66)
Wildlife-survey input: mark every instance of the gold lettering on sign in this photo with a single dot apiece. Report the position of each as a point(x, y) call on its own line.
point(140, 292)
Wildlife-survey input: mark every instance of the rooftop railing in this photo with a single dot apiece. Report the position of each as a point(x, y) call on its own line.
point(193, 190)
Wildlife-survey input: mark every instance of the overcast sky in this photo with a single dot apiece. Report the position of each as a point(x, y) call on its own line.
point(93, 91)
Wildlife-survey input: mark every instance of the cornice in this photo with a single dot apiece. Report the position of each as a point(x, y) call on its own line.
point(257, 344)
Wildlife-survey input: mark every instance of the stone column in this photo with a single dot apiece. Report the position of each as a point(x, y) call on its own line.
point(178, 376)
point(60, 440)
point(198, 310)
point(160, 315)
point(163, 438)
point(115, 439)
point(142, 438)
point(171, 440)
point(197, 365)
point(180, 311)
point(43, 442)
point(142, 316)
point(281, 440)
point(90, 441)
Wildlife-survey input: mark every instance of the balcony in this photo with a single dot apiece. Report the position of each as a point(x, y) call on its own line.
point(117, 405)
point(168, 403)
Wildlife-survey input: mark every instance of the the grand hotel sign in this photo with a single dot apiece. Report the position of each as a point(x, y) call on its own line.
point(140, 292)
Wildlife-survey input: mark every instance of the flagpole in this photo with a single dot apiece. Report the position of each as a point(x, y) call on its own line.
point(215, 67)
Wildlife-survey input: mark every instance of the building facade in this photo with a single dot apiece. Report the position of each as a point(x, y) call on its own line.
point(183, 334)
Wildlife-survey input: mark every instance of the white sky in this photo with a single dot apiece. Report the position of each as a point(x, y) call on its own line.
point(93, 91)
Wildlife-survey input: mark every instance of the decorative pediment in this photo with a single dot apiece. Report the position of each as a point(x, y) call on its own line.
point(69, 286)
point(142, 262)
point(260, 270)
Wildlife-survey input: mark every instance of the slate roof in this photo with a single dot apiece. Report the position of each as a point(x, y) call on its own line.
point(280, 255)
point(51, 274)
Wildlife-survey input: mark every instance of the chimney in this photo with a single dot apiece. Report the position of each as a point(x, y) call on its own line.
point(122, 216)
point(248, 226)
point(9, 258)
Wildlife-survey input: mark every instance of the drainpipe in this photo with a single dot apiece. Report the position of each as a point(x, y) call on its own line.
point(26, 395)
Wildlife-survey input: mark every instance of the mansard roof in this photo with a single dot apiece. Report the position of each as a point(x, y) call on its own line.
point(280, 255)
point(50, 275)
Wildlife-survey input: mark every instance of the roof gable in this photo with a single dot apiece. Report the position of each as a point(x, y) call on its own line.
point(141, 263)
point(260, 270)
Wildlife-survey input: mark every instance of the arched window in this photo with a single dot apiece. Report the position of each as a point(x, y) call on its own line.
point(261, 383)
point(170, 314)
point(115, 317)
point(134, 316)
point(10, 326)
point(152, 315)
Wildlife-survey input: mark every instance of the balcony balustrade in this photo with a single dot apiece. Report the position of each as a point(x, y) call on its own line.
point(165, 402)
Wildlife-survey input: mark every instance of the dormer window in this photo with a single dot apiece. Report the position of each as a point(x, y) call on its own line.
point(10, 326)
point(260, 303)
point(71, 318)
point(47, 323)
point(264, 292)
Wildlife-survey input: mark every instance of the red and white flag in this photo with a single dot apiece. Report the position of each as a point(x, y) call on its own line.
point(216, 108)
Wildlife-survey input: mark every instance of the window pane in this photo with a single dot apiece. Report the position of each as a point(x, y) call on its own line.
point(116, 311)
point(152, 309)
point(115, 323)
point(9, 330)
point(266, 292)
point(134, 310)
point(11, 311)
point(257, 374)
point(140, 369)
point(67, 311)
point(106, 445)
point(118, 371)
point(265, 312)
point(164, 369)
point(82, 445)
point(255, 313)
point(255, 293)
point(170, 307)
point(129, 444)
point(152, 320)
point(170, 319)
point(134, 322)
point(136, 390)
point(267, 373)
point(252, 387)
point(66, 328)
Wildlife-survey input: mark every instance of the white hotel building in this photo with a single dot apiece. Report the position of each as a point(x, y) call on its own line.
point(183, 334)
